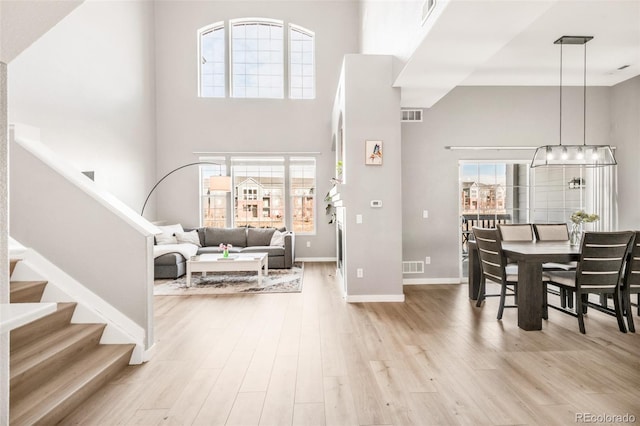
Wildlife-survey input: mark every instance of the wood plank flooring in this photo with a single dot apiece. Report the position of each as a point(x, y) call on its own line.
point(311, 359)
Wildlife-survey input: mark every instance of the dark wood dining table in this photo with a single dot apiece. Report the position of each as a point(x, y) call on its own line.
point(530, 256)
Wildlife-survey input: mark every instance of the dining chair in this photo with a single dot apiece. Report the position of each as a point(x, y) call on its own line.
point(599, 271)
point(516, 231)
point(551, 231)
point(493, 266)
point(631, 281)
point(556, 232)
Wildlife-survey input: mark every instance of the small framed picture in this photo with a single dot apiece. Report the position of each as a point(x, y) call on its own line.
point(373, 153)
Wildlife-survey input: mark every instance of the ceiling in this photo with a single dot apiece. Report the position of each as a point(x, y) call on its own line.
point(510, 43)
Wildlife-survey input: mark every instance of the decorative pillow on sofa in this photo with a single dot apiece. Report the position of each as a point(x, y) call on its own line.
point(188, 237)
point(162, 239)
point(277, 239)
point(259, 236)
point(168, 234)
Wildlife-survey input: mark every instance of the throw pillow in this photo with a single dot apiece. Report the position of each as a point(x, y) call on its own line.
point(171, 229)
point(277, 239)
point(188, 237)
point(166, 239)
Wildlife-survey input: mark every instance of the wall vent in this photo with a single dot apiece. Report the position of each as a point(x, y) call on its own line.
point(411, 115)
point(427, 8)
point(413, 267)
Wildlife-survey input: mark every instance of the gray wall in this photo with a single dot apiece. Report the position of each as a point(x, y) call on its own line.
point(371, 112)
point(88, 84)
point(481, 116)
point(187, 123)
point(625, 135)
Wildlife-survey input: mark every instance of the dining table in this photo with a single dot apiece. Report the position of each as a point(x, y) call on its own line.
point(530, 256)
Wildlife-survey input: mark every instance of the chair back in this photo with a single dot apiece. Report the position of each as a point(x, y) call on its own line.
point(492, 259)
point(632, 274)
point(602, 257)
point(516, 232)
point(551, 231)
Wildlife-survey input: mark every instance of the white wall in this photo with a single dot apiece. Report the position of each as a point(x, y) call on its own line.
point(480, 116)
point(187, 123)
point(625, 135)
point(88, 84)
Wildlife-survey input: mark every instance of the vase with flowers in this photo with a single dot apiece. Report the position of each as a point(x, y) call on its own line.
point(577, 219)
point(225, 249)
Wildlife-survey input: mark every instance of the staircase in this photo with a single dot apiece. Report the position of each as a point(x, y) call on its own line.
point(56, 365)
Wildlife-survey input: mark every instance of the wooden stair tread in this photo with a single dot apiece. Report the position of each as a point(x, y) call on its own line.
point(35, 330)
point(12, 265)
point(39, 351)
point(26, 291)
point(50, 402)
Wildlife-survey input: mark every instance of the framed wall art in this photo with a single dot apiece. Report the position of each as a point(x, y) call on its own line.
point(373, 153)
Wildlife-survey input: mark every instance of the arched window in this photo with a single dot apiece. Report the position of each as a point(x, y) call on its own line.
point(301, 63)
point(257, 69)
point(254, 64)
point(212, 61)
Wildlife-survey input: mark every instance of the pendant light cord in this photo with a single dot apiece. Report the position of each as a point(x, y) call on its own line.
point(561, 94)
point(584, 97)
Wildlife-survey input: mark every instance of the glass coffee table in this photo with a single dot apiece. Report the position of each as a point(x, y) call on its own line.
point(234, 263)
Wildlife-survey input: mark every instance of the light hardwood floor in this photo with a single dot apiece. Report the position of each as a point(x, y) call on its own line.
point(312, 359)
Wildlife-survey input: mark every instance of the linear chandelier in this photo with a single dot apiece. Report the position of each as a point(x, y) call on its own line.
point(574, 155)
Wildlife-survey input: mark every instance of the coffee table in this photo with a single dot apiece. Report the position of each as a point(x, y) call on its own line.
point(234, 263)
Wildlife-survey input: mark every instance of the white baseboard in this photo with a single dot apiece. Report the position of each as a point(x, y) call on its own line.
point(422, 281)
point(316, 259)
point(360, 298)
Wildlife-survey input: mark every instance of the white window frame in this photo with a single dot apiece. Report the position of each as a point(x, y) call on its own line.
point(220, 25)
point(294, 27)
point(255, 21)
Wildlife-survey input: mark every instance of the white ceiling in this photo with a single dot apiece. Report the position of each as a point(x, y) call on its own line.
point(510, 43)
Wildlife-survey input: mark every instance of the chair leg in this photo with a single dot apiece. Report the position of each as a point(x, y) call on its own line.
point(563, 297)
point(481, 291)
point(580, 313)
point(545, 309)
point(585, 299)
point(617, 304)
point(503, 295)
point(604, 300)
point(570, 299)
point(626, 307)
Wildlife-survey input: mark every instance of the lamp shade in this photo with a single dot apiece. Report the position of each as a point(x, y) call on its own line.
point(220, 183)
point(574, 155)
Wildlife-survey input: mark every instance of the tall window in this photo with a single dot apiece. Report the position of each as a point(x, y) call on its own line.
point(259, 192)
point(257, 58)
point(301, 63)
point(302, 181)
point(266, 192)
point(212, 62)
point(213, 204)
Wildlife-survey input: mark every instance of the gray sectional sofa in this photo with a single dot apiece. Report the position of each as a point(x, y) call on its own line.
point(243, 240)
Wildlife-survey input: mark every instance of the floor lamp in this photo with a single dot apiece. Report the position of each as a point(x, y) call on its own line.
point(217, 183)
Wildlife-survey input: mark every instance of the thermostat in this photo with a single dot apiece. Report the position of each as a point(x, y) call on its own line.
point(376, 203)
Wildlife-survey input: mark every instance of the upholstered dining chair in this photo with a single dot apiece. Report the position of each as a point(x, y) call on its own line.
point(551, 231)
point(631, 281)
point(599, 271)
point(556, 232)
point(516, 232)
point(493, 267)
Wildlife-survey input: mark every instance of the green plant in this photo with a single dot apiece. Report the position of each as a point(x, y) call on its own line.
point(582, 217)
point(339, 166)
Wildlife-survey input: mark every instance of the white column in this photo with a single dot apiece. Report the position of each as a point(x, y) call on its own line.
point(4, 249)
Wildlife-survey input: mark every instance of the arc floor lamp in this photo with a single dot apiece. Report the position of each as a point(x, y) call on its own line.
point(216, 183)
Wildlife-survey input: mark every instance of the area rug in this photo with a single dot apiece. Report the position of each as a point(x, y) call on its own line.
point(278, 281)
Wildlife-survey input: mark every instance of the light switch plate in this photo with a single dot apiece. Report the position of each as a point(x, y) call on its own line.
point(358, 218)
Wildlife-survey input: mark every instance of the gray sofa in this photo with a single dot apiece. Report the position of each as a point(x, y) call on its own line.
point(243, 240)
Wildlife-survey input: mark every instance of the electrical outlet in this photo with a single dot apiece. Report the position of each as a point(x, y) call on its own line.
point(308, 243)
point(427, 260)
point(359, 273)
point(425, 214)
point(358, 218)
